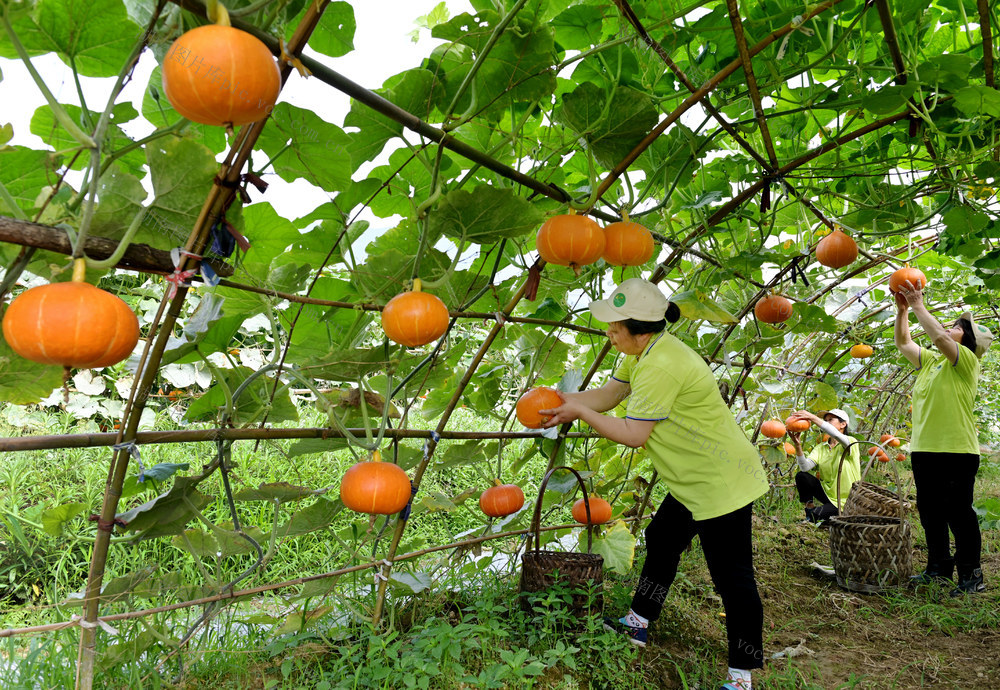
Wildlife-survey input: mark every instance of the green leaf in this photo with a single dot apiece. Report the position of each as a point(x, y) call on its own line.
point(695, 304)
point(889, 99)
point(317, 150)
point(24, 173)
point(617, 545)
point(311, 518)
point(96, 36)
point(23, 381)
point(612, 126)
point(409, 90)
point(280, 492)
point(162, 471)
point(578, 27)
point(977, 101)
point(251, 406)
point(824, 397)
point(334, 35)
point(485, 215)
point(301, 620)
point(54, 519)
point(169, 512)
point(414, 582)
point(218, 543)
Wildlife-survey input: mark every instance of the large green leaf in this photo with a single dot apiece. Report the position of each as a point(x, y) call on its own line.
point(484, 215)
point(24, 173)
point(23, 381)
point(169, 512)
point(617, 545)
point(302, 144)
point(95, 36)
point(334, 35)
point(612, 124)
point(696, 304)
point(54, 520)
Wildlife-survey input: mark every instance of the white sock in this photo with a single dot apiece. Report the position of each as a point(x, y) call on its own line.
point(634, 620)
point(741, 676)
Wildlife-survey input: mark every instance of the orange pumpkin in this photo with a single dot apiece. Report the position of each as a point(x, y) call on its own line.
point(914, 275)
point(882, 456)
point(377, 487)
point(772, 428)
point(773, 309)
point(891, 440)
point(861, 351)
point(570, 240)
point(414, 318)
point(837, 250)
point(900, 457)
point(627, 244)
point(795, 424)
point(218, 75)
point(74, 324)
point(789, 448)
point(501, 500)
point(540, 398)
point(600, 511)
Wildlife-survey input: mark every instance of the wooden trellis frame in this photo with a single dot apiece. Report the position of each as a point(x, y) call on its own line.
point(771, 173)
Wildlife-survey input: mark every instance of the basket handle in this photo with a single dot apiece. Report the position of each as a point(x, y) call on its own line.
point(536, 518)
point(899, 485)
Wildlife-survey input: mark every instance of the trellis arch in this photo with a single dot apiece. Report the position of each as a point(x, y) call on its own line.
point(816, 108)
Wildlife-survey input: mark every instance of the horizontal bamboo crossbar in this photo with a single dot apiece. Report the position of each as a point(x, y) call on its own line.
point(194, 435)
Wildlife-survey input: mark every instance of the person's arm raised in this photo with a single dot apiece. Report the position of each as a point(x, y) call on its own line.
point(938, 334)
point(601, 399)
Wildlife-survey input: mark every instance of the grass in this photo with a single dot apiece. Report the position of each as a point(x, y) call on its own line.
point(462, 631)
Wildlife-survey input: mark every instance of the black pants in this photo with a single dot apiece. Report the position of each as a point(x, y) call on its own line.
point(810, 489)
point(728, 548)
point(944, 499)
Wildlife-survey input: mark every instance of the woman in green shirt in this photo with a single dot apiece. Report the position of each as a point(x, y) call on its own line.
point(825, 459)
point(944, 447)
point(712, 471)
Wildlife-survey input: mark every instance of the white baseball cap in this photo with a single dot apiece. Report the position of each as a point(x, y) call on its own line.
point(839, 414)
point(984, 338)
point(634, 299)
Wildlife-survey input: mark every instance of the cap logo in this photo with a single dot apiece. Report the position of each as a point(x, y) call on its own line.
point(619, 300)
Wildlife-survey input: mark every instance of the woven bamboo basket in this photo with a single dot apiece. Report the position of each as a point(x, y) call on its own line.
point(866, 498)
point(871, 553)
point(582, 572)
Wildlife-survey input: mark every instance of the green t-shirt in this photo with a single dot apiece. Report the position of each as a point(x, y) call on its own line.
point(827, 459)
point(943, 395)
point(696, 446)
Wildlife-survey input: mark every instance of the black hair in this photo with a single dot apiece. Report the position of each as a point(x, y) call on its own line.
point(636, 327)
point(968, 335)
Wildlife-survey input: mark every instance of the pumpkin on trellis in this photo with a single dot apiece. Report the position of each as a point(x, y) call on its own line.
point(245, 82)
point(376, 487)
point(74, 324)
point(907, 273)
point(837, 249)
point(773, 428)
point(773, 309)
point(414, 318)
point(627, 243)
point(501, 500)
point(529, 404)
point(861, 351)
point(600, 511)
point(570, 240)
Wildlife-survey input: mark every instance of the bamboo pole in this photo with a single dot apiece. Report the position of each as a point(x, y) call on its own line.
point(138, 257)
point(216, 201)
point(26, 443)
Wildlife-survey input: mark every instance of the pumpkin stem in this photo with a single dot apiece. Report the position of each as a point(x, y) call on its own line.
point(416, 285)
point(497, 482)
point(79, 270)
point(377, 456)
point(65, 385)
point(625, 215)
point(217, 13)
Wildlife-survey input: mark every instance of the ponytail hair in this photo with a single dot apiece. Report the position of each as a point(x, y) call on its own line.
point(673, 313)
point(636, 327)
